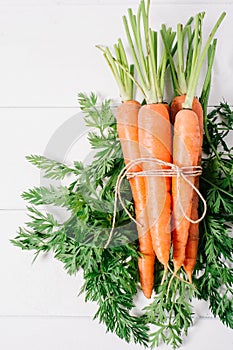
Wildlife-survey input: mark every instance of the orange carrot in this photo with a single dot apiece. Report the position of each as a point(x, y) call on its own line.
point(155, 136)
point(127, 126)
point(192, 245)
point(185, 77)
point(193, 234)
point(176, 106)
point(193, 238)
point(155, 141)
point(186, 149)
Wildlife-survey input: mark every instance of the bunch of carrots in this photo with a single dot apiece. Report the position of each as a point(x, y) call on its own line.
point(156, 130)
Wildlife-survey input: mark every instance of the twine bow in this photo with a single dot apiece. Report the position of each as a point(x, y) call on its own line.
point(172, 170)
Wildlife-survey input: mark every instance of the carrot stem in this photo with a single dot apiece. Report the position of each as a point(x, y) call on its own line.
point(162, 71)
point(165, 35)
point(178, 73)
point(140, 46)
point(117, 74)
point(218, 188)
point(151, 77)
point(189, 54)
point(180, 58)
point(121, 70)
point(206, 87)
point(134, 54)
point(156, 95)
point(198, 60)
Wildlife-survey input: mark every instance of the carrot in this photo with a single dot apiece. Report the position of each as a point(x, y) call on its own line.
point(155, 136)
point(192, 245)
point(193, 231)
point(155, 142)
point(185, 236)
point(127, 127)
point(176, 106)
point(193, 240)
point(186, 145)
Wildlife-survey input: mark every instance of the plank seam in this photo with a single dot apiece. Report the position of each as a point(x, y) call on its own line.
point(70, 107)
point(82, 316)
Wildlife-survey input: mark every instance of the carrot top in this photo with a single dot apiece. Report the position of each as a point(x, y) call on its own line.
point(204, 98)
point(143, 44)
point(123, 72)
point(150, 71)
point(187, 68)
point(198, 57)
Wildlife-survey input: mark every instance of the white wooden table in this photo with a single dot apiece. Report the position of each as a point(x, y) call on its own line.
point(47, 56)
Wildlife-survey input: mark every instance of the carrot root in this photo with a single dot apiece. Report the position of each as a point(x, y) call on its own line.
point(186, 146)
point(155, 141)
point(127, 126)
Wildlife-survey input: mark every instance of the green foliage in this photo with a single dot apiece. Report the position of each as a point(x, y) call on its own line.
point(103, 138)
point(110, 281)
point(52, 169)
point(214, 268)
point(219, 124)
point(170, 313)
point(42, 195)
point(111, 275)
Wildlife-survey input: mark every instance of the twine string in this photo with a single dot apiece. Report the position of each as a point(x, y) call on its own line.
point(172, 170)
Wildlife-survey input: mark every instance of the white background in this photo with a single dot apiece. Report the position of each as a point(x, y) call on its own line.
point(47, 56)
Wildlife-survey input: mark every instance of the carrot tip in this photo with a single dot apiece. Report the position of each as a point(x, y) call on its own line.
point(189, 274)
point(147, 294)
point(176, 268)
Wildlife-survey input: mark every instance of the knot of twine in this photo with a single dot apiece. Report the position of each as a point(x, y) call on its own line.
point(172, 170)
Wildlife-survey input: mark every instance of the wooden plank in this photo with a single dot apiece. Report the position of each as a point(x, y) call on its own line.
point(43, 288)
point(56, 133)
point(81, 332)
point(104, 2)
point(51, 49)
